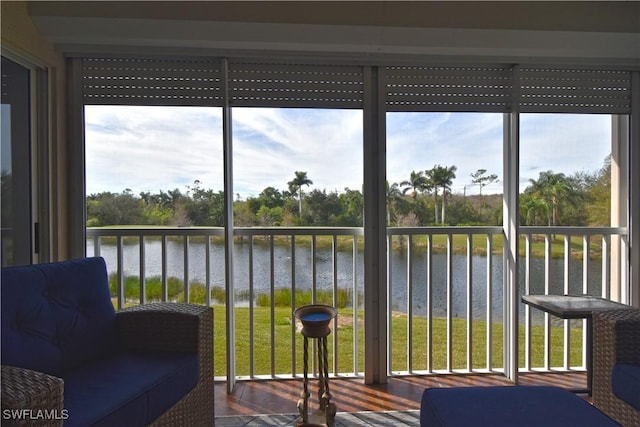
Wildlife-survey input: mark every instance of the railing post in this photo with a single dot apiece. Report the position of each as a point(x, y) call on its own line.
point(619, 202)
point(449, 285)
point(511, 225)
point(489, 303)
point(470, 302)
point(228, 228)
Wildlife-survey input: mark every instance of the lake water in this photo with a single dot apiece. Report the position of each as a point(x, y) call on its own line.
point(303, 272)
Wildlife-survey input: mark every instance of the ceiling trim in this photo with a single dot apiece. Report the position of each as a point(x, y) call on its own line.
point(73, 36)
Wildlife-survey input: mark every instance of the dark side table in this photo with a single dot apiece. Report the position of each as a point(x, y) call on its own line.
point(575, 307)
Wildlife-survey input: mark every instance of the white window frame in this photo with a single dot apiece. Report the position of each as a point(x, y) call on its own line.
point(373, 103)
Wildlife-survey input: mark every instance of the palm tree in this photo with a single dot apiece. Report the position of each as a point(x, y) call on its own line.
point(555, 189)
point(431, 179)
point(534, 209)
point(442, 176)
point(393, 193)
point(145, 196)
point(175, 196)
point(417, 183)
point(447, 175)
point(296, 184)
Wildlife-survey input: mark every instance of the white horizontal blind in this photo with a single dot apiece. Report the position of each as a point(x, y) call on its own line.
point(574, 90)
point(295, 85)
point(448, 88)
point(125, 81)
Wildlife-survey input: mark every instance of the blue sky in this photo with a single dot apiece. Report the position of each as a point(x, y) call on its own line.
point(163, 148)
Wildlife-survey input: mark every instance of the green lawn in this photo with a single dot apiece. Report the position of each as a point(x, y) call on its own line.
point(284, 353)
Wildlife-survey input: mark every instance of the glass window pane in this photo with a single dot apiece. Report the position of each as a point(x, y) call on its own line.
point(566, 181)
point(153, 165)
point(16, 165)
point(565, 173)
point(443, 169)
point(297, 167)
point(462, 152)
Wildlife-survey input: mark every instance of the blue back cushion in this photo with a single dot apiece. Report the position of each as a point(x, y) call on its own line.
point(56, 316)
point(625, 382)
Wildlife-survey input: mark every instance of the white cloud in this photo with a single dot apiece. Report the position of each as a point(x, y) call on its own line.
point(469, 141)
point(162, 148)
point(270, 145)
point(563, 143)
point(152, 148)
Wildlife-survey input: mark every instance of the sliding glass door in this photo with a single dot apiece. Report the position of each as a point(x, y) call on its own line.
point(17, 247)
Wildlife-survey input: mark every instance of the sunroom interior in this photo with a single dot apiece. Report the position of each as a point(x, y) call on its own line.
point(381, 59)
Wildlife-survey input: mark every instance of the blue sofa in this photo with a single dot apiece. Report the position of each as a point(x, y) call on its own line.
point(68, 358)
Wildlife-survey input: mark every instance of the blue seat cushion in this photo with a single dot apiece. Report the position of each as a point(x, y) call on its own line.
point(131, 389)
point(625, 383)
point(508, 406)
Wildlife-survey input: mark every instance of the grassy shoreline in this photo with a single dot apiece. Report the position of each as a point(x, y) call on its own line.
point(439, 243)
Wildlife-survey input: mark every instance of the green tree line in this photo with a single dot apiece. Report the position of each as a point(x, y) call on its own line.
point(425, 198)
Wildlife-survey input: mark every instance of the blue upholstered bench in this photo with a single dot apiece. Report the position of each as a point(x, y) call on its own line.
point(517, 406)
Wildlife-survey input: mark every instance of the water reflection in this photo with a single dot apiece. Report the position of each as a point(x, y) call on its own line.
point(303, 275)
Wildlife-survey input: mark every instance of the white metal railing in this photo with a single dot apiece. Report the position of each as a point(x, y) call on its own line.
point(585, 250)
point(445, 281)
point(354, 278)
point(566, 260)
point(141, 235)
point(273, 243)
point(448, 285)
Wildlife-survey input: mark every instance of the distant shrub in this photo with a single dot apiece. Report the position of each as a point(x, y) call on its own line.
point(153, 287)
point(197, 293)
point(282, 298)
point(218, 293)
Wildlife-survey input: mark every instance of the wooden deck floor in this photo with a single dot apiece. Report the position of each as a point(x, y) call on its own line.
point(352, 395)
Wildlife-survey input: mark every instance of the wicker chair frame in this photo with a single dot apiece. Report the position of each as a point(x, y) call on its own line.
point(157, 326)
point(616, 338)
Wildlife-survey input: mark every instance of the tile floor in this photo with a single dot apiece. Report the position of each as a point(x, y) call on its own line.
point(397, 403)
point(343, 419)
